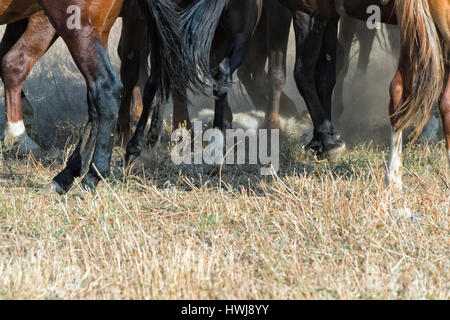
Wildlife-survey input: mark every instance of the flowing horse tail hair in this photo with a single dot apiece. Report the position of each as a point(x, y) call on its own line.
point(171, 67)
point(421, 41)
point(198, 24)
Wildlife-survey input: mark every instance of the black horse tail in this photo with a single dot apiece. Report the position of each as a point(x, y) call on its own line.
point(198, 25)
point(171, 66)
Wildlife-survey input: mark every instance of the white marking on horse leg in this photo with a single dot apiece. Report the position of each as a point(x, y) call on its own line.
point(14, 129)
point(393, 176)
point(16, 135)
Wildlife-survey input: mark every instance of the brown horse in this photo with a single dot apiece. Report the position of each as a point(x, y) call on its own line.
point(86, 41)
point(133, 49)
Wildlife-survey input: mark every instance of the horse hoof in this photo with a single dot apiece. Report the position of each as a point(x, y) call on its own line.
point(51, 188)
point(272, 123)
point(23, 145)
point(314, 146)
point(334, 151)
point(90, 181)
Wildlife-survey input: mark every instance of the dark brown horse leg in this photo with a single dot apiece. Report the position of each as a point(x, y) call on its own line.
point(180, 117)
point(252, 73)
point(400, 89)
point(245, 23)
point(366, 41)
point(278, 38)
point(93, 153)
point(134, 147)
point(310, 33)
point(134, 51)
point(346, 34)
point(333, 146)
point(16, 65)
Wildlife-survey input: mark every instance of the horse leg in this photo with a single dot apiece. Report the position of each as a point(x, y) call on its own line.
point(366, 40)
point(134, 53)
point(12, 34)
point(16, 65)
point(180, 112)
point(333, 146)
point(278, 38)
point(243, 24)
point(252, 72)
point(309, 33)
point(93, 153)
point(134, 147)
point(346, 34)
point(399, 90)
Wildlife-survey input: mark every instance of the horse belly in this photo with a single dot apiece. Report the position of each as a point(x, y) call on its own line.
point(14, 10)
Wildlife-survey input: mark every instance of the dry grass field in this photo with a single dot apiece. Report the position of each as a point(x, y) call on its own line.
point(159, 231)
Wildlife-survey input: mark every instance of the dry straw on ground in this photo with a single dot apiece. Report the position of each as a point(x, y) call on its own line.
point(316, 231)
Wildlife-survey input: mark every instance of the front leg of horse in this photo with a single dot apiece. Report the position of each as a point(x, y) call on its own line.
point(333, 146)
point(309, 38)
point(278, 39)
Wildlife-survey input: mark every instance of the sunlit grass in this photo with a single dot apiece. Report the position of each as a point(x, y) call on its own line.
point(318, 230)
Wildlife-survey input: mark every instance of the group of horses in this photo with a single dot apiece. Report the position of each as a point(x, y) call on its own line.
point(194, 44)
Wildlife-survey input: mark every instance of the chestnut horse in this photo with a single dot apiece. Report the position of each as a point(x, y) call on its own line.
point(87, 41)
point(417, 85)
point(133, 51)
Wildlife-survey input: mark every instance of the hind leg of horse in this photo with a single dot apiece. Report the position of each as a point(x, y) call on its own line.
point(278, 35)
point(16, 65)
point(400, 88)
point(346, 34)
point(134, 147)
point(244, 17)
point(180, 117)
point(93, 153)
point(366, 40)
point(133, 68)
point(12, 34)
point(252, 72)
point(235, 56)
